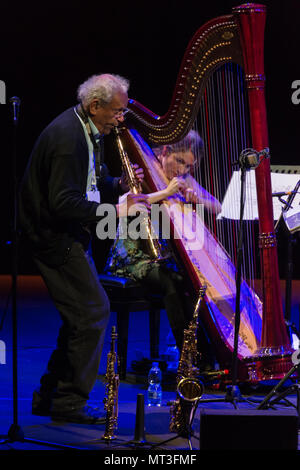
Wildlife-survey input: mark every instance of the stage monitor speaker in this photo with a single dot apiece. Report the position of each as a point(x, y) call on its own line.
point(246, 429)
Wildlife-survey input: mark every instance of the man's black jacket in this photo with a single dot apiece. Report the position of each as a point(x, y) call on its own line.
point(53, 209)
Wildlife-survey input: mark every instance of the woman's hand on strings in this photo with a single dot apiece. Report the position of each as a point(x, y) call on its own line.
point(191, 196)
point(176, 185)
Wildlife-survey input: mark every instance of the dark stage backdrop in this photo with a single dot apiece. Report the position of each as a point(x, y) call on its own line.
point(49, 48)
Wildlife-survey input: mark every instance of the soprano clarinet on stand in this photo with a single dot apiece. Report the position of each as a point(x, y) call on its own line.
point(112, 390)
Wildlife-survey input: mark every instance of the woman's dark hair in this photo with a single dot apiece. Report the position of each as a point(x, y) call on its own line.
point(192, 141)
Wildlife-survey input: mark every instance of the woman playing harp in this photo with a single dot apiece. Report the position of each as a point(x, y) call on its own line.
point(221, 80)
point(127, 258)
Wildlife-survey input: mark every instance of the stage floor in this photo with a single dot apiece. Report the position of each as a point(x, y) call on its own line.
point(37, 328)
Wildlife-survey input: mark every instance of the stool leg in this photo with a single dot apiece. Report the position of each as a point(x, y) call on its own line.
point(122, 340)
point(154, 324)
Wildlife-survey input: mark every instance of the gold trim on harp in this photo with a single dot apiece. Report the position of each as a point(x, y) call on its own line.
point(267, 240)
point(255, 81)
point(249, 8)
point(213, 47)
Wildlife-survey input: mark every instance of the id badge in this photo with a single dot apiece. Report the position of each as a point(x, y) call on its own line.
point(93, 196)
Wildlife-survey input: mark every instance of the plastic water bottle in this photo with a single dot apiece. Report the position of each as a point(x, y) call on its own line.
point(172, 353)
point(154, 393)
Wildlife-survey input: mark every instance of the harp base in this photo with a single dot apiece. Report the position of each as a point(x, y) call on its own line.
point(267, 366)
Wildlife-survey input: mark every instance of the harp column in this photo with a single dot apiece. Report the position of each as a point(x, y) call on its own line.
point(251, 19)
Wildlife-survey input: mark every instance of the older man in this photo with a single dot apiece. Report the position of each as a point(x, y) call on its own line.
point(64, 183)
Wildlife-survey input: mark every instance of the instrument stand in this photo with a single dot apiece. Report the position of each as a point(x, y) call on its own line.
point(139, 439)
point(188, 435)
point(278, 396)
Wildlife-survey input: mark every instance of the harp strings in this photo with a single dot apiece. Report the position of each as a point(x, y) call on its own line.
point(222, 124)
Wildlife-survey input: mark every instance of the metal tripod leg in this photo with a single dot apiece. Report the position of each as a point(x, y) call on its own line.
point(188, 438)
point(273, 392)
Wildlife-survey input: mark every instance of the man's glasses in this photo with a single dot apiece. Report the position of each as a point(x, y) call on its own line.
point(120, 113)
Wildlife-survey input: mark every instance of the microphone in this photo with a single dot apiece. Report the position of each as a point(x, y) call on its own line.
point(15, 101)
point(250, 158)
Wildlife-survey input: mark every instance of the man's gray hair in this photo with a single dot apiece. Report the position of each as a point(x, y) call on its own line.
point(103, 87)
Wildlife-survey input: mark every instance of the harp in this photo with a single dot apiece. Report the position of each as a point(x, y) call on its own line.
point(221, 80)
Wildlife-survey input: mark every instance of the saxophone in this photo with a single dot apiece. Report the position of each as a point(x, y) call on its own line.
point(153, 246)
point(189, 387)
point(112, 388)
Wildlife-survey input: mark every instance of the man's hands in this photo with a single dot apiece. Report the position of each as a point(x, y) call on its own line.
point(139, 172)
point(131, 203)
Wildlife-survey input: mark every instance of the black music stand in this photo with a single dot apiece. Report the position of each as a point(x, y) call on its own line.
point(293, 225)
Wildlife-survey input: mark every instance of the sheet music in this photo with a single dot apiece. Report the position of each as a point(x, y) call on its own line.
point(231, 203)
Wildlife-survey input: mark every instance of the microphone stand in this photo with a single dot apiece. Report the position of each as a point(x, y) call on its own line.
point(15, 432)
point(234, 391)
point(248, 159)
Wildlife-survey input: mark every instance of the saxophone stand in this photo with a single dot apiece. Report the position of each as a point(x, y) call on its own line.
point(139, 439)
point(111, 404)
point(187, 434)
point(189, 389)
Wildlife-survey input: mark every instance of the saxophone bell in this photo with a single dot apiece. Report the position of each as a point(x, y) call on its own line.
point(190, 389)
